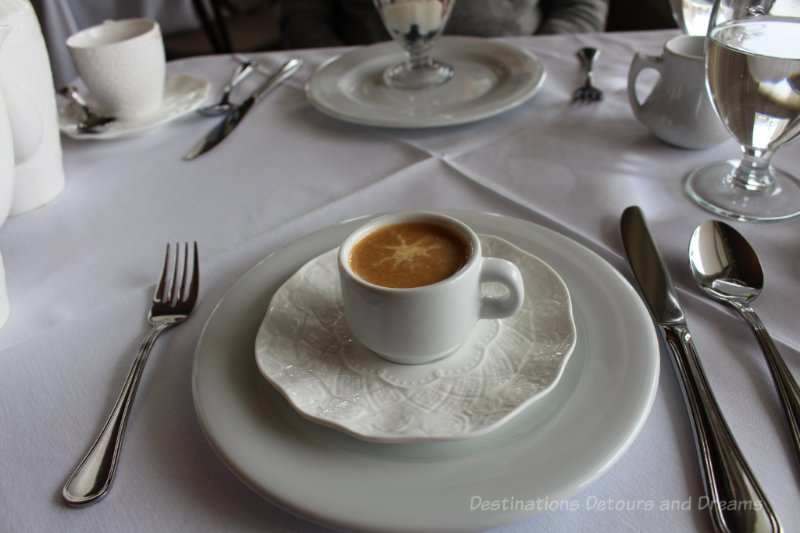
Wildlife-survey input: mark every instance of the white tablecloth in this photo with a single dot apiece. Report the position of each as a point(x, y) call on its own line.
point(80, 273)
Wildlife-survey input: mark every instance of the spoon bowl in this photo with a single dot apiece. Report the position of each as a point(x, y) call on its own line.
point(724, 265)
point(224, 105)
point(92, 122)
point(726, 268)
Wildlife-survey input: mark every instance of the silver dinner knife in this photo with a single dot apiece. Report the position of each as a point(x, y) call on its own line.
point(735, 499)
point(232, 119)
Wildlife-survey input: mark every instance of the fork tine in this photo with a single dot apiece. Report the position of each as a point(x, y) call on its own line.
point(195, 281)
point(162, 281)
point(181, 290)
point(173, 286)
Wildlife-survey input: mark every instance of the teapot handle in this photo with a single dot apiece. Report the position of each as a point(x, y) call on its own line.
point(641, 62)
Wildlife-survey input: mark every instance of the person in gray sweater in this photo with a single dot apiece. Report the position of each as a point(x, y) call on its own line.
point(318, 23)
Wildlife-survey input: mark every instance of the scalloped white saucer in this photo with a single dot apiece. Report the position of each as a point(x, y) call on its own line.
point(304, 349)
point(182, 95)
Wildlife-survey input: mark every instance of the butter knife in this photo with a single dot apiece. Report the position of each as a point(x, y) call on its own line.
point(237, 114)
point(735, 500)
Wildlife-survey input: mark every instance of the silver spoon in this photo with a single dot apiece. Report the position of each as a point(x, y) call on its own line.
point(92, 122)
point(244, 70)
point(726, 267)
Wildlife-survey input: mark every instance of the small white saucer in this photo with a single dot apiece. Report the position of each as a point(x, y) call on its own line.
point(305, 350)
point(182, 94)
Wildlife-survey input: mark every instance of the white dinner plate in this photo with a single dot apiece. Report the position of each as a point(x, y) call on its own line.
point(306, 350)
point(182, 95)
point(548, 453)
point(490, 78)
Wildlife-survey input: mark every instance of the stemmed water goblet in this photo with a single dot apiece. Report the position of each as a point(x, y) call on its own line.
point(753, 77)
point(692, 15)
point(416, 25)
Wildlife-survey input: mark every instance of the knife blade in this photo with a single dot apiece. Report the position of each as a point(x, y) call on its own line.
point(237, 114)
point(735, 500)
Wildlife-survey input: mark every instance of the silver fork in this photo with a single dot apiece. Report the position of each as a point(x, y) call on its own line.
point(588, 92)
point(174, 299)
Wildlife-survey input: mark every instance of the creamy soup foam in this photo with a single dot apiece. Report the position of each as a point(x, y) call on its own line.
point(410, 254)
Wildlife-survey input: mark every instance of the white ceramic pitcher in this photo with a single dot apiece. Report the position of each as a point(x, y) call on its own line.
point(678, 110)
point(26, 81)
point(6, 183)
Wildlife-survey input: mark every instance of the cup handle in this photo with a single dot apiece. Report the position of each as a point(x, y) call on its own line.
point(639, 63)
point(495, 270)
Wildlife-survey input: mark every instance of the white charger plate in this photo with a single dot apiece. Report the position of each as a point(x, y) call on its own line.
point(182, 95)
point(306, 350)
point(551, 451)
point(490, 78)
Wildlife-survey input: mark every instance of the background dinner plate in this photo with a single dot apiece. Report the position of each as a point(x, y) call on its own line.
point(548, 453)
point(490, 77)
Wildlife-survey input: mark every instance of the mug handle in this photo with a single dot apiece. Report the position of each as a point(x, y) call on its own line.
point(495, 270)
point(639, 63)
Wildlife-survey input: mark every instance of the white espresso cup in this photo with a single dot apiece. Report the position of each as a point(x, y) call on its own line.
point(122, 63)
point(420, 324)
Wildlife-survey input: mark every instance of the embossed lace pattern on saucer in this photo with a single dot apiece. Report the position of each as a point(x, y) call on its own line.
point(304, 348)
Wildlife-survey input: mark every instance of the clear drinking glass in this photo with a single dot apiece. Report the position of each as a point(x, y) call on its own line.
point(692, 15)
point(753, 77)
point(416, 25)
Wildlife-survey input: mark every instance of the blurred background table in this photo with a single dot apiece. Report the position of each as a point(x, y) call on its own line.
point(200, 27)
point(190, 27)
point(80, 274)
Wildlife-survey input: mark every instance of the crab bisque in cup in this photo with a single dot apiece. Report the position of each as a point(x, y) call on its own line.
point(412, 285)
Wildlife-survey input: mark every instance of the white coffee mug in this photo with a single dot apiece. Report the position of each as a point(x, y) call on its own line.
point(678, 110)
point(122, 63)
point(422, 324)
